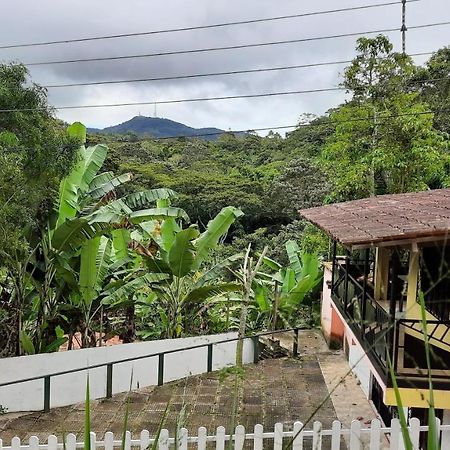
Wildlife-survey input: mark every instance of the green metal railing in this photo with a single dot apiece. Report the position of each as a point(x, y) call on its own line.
point(161, 359)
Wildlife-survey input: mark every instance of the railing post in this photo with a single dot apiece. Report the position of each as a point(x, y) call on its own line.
point(295, 344)
point(160, 369)
point(47, 393)
point(109, 377)
point(364, 297)
point(210, 358)
point(255, 340)
point(333, 270)
point(347, 261)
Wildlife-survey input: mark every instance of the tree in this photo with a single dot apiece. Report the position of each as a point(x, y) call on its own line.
point(433, 84)
point(175, 255)
point(35, 153)
point(384, 141)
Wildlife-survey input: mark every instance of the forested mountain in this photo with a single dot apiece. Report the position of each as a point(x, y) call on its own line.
point(159, 128)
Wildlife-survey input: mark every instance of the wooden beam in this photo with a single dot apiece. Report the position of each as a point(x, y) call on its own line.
point(382, 257)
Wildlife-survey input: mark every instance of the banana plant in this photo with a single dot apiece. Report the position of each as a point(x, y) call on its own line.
point(87, 238)
point(177, 254)
point(280, 291)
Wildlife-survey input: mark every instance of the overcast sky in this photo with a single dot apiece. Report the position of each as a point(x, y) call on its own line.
point(30, 21)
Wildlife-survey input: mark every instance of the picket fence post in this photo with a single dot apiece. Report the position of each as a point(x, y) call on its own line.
point(109, 441)
point(317, 435)
point(375, 434)
point(358, 434)
point(220, 438)
point(239, 437)
point(298, 436)
point(336, 435)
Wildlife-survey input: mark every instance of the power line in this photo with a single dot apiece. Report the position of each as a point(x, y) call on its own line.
point(185, 100)
point(204, 99)
point(202, 27)
point(301, 125)
point(230, 47)
point(210, 49)
point(211, 74)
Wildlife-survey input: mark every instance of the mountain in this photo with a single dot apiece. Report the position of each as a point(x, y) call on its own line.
point(158, 128)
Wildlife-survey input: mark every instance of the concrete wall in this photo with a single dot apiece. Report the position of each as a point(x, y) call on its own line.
point(70, 389)
point(332, 326)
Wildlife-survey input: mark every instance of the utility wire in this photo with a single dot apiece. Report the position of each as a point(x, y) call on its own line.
point(184, 100)
point(205, 50)
point(301, 125)
point(202, 27)
point(231, 47)
point(210, 74)
point(204, 99)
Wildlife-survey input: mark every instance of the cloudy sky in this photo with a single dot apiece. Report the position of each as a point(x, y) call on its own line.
point(25, 21)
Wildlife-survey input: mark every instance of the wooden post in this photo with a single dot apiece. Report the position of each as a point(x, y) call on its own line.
point(381, 273)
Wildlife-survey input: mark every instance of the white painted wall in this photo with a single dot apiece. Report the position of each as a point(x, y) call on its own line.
point(360, 365)
point(70, 388)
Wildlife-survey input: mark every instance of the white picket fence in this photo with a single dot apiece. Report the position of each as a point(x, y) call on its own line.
point(357, 437)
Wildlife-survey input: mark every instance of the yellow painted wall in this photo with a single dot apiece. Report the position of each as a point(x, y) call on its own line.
point(413, 309)
point(418, 398)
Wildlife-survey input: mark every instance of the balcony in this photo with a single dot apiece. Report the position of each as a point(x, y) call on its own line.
point(383, 329)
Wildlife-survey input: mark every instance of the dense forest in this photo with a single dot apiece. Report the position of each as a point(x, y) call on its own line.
point(104, 235)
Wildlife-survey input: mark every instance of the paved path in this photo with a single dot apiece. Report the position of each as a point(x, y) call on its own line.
point(281, 390)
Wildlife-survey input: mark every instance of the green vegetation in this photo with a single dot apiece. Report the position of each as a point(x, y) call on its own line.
point(105, 235)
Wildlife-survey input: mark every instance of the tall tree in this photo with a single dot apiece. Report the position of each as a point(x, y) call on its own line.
point(384, 139)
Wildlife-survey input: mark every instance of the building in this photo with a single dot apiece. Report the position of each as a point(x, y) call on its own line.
point(389, 252)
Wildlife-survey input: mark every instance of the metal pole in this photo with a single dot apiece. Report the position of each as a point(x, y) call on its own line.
point(333, 264)
point(210, 358)
point(47, 393)
point(160, 369)
point(404, 29)
point(295, 345)
point(255, 340)
point(364, 297)
point(109, 376)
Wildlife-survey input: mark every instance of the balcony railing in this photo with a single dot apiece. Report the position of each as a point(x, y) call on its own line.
point(368, 319)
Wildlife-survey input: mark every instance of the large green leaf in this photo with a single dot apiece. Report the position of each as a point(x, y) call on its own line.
point(78, 131)
point(262, 298)
point(203, 293)
point(118, 295)
point(100, 191)
point(215, 229)
point(310, 265)
point(121, 238)
point(93, 159)
point(101, 179)
point(144, 198)
point(103, 260)
point(67, 204)
point(216, 270)
point(271, 263)
point(293, 251)
point(88, 269)
point(168, 230)
point(26, 343)
point(144, 215)
point(182, 253)
point(288, 281)
point(72, 233)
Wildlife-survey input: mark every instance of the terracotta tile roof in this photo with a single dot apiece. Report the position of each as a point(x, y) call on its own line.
point(385, 218)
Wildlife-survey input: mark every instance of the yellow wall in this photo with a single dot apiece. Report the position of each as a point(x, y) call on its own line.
point(413, 309)
point(418, 398)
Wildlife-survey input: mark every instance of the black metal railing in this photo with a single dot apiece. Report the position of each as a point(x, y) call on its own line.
point(161, 359)
point(369, 321)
